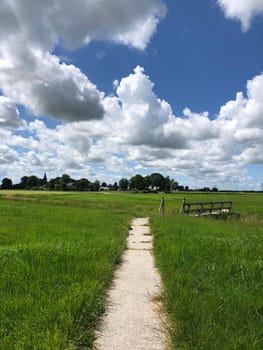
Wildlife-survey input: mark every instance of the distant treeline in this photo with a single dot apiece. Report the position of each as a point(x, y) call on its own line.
point(148, 183)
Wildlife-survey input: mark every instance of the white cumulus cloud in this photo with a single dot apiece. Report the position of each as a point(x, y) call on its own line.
point(9, 114)
point(245, 112)
point(30, 30)
point(43, 23)
point(147, 120)
point(140, 132)
point(47, 87)
point(243, 10)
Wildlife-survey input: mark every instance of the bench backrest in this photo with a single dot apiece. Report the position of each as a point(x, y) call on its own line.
point(206, 208)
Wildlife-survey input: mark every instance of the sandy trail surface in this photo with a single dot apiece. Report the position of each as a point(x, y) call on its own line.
point(133, 318)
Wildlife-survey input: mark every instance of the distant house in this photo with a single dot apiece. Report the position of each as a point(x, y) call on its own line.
point(104, 188)
point(71, 186)
point(153, 188)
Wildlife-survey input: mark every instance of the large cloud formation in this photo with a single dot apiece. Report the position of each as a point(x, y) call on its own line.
point(47, 87)
point(141, 129)
point(243, 10)
point(147, 120)
point(43, 23)
point(9, 114)
point(30, 30)
point(192, 144)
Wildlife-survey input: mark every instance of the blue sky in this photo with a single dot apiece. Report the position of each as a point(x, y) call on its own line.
point(110, 89)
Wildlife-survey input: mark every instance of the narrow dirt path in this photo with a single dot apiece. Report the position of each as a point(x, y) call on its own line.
point(133, 320)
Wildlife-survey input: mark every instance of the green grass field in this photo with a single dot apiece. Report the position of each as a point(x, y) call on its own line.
point(56, 262)
point(58, 252)
point(212, 271)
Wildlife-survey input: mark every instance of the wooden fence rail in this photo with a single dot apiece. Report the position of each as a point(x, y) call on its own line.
point(205, 208)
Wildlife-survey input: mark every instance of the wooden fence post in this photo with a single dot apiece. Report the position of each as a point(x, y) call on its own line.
point(161, 208)
point(182, 210)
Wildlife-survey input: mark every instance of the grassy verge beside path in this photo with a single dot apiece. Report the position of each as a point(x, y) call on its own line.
point(56, 262)
point(213, 277)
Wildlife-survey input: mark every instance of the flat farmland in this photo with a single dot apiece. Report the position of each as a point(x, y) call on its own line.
point(56, 261)
point(58, 251)
point(212, 271)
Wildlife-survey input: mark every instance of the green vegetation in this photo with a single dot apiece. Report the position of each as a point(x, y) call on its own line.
point(56, 262)
point(155, 181)
point(58, 251)
point(212, 272)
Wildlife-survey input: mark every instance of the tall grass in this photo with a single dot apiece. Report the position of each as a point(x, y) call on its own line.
point(138, 204)
point(58, 252)
point(55, 263)
point(213, 280)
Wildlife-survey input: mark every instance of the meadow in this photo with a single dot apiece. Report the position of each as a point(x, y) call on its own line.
point(56, 262)
point(212, 269)
point(58, 252)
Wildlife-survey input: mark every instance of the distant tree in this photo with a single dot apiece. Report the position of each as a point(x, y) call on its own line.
point(167, 184)
point(158, 181)
point(147, 181)
point(83, 184)
point(29, 182)
point(214, 189)
point(206, 189)
point(137, 182)
point(33, 182)
point(124, 184)
point(23, 182)
point(64, 181)
point(174, 185)
point(54, 184)
point(115, 186)
point(6, 184)
point(104, 184)
point(96, 185)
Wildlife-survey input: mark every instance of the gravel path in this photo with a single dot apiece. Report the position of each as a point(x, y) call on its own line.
point(133, 319)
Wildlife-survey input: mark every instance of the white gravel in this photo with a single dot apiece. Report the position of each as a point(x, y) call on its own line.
point(133, 320)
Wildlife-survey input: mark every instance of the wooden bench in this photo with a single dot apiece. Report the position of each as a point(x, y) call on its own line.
point(206, 208)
